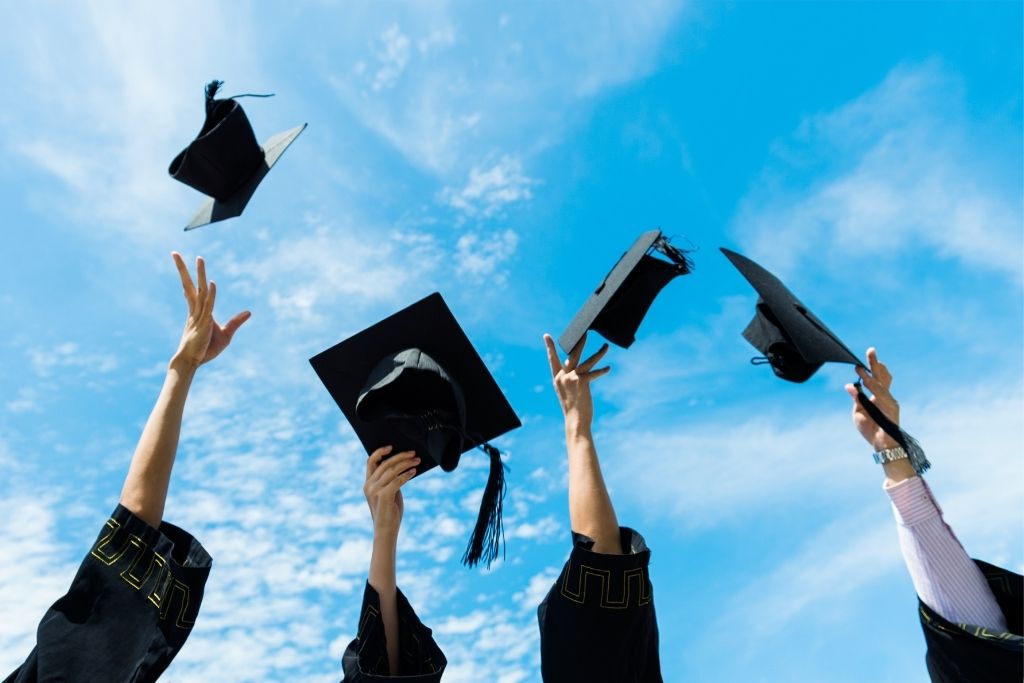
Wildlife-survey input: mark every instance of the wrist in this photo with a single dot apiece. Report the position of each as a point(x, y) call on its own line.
point(577, 429)
point(182, 364)
point(897, 471)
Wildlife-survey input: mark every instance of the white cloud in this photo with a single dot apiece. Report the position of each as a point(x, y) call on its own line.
point(531, 596)
point(392, 57)
point(478, 258)
point(544, 528)
point(69, 355)
point(110, 136)
point(901, 167)
point(336, 270)
point(766, 461)
point(25, 401)
point(489, 190)
point(506, 82)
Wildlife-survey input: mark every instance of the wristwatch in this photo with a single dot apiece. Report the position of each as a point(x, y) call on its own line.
point(889, 455)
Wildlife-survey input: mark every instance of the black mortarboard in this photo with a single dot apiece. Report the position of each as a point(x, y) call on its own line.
point(791, 338)
point(224, 161)
point(618, 305)
point(415, 382)
point(796, 343)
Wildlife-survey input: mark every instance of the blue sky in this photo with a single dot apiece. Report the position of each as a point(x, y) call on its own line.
point(506, 154)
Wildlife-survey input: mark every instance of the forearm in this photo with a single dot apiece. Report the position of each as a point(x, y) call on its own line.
point(145, 486)
point(382, 579)
point(944, 576)
point(590, 507)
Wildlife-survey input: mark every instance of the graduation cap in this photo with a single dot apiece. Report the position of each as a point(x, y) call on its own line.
point(796, 343)
point(224, 161)
point(617, 307)
point(415, 382)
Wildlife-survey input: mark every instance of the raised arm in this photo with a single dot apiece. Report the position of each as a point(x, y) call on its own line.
point(590, 507)
point(384, 481)
point(145, 486)
point(944, 576)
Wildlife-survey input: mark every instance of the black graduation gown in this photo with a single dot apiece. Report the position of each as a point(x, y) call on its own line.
point(597, 623)
point(366, 657)
point(961, 653)
point(128, 611)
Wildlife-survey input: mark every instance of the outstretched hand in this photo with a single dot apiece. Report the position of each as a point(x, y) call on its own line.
point(384, 481)
point(203, 339)
point(877, 382)
point(572, 381)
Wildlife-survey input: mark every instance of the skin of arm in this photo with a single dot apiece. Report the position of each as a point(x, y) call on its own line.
point(384, 481)
point(149, 474)
point(878, 382)
point(590, 507)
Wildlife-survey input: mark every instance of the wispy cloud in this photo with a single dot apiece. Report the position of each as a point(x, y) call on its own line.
point(479, 258)
point(899, 168)
point(392, 56)
point(455, 101)
point(110, 137)
point(772, 458)
point(489, 190)
point(67, 356)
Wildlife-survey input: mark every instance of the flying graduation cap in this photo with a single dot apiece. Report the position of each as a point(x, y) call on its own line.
point(415, 382)
point(796, 343)
point(617, 307)
point(224, 161)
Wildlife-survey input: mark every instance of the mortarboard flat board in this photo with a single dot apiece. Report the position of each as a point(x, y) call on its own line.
point(224, 161)
point(430, 326)
point(796, 343)
point(790, 336)
point(414, 381)
point(617, 307)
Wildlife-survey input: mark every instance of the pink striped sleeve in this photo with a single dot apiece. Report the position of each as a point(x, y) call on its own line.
point(945, 577)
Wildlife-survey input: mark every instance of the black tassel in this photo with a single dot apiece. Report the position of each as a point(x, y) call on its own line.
point(918, 460)
point(489, 534)
point(211, 90)
point(678, 256)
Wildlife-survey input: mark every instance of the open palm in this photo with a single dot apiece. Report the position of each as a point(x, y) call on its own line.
point(203, 339)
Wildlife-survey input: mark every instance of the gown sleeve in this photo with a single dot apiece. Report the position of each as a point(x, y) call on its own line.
point(597, 622)
point(967, 653)
point(366, 657)
point(129, 609)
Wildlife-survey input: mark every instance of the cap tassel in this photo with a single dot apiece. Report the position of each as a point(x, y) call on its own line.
point(918, 460)
point(489, 532)
point(211, 89)
point(678, 256)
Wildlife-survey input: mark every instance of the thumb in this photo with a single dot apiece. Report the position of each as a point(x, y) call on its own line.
point(232, 325)
point(852, 391)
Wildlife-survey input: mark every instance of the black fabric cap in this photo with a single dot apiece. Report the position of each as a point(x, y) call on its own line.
point(417, 397)
point(617, 307)
point(415, 382)
point(796, 344)
point(789, 335)
point(224, 161)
